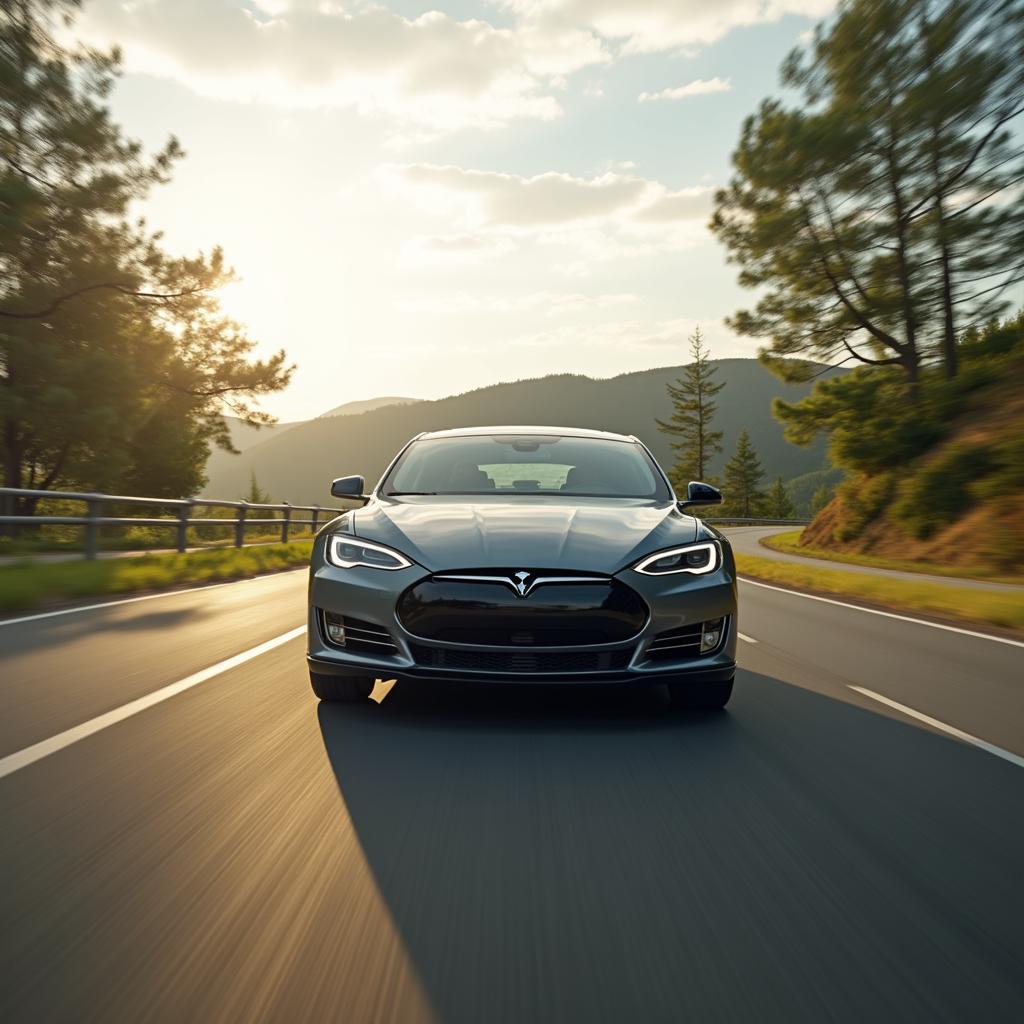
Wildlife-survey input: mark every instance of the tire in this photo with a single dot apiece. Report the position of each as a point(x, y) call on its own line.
point(341, 688)
point(701, 696)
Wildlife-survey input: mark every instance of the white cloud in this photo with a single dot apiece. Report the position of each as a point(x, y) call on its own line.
point(492, 200)
point(582, 222)
point(698, 87)
point(649, 26)
point(432, 70)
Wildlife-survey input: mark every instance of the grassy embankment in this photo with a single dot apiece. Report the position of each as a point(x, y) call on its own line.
point(789, 543)
point(984, 607)
point(34, 584)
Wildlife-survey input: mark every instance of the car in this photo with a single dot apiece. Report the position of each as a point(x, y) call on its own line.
point(523, 554)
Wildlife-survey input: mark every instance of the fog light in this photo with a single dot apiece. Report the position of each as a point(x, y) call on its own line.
point(334, 625)
point(711, 634)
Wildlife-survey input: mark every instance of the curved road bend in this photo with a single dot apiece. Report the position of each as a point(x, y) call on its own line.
point(237, 852)
point(747, 540)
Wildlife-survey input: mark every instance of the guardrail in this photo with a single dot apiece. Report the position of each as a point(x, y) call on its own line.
point(93, 518)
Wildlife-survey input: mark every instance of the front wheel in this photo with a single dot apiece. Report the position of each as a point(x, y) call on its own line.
point(340, 688)
point(701, 696)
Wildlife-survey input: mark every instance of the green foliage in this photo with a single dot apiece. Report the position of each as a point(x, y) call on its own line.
point(693, 409)
point(743, 475)
point(864, 499)
point(777, 503)
point(116, 362)
point(939, 492)
point(881, 216)
point(811, 492)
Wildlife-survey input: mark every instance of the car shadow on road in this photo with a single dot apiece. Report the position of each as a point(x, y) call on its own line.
point(569, 855)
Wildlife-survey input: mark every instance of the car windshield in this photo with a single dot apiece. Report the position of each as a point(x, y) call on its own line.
point(527, 464)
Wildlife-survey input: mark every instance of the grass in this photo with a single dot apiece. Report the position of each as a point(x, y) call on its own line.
point(789, 543)
point(33, 584)
point(947, 601)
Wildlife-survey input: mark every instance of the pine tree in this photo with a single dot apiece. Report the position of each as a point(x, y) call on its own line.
point(256, 495)
point(881, 216)
point(777, 504)
point(693, 408)
point(743, 474)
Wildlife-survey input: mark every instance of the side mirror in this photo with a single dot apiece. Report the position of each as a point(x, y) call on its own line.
point(349, 487)
point(701, 494)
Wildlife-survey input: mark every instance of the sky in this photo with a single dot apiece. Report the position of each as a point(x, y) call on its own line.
point(423, 198)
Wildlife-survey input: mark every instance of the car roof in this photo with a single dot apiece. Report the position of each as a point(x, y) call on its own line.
point(532, 430)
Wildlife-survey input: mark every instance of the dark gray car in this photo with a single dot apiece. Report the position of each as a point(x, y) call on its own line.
point(523, 554)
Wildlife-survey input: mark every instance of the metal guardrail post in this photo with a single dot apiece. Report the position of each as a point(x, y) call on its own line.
point(184, 513)
point(314, 526)
point(240, 525)
point(286, 522)
point(94, 506)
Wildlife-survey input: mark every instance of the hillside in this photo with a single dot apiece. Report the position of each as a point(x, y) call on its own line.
point(366, 405)
point(299, 464)
point(961, 501)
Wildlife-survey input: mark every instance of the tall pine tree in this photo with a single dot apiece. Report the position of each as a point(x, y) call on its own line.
point(743, 475)
point(777, 503)
point(693, 408)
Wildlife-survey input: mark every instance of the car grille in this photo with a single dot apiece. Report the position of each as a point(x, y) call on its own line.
point(676, 644)
point(477, 608)
point(521, 662)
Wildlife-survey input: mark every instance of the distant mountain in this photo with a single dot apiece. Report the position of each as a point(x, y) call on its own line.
point(366, 405)
point(243, 437)
point(298, 464)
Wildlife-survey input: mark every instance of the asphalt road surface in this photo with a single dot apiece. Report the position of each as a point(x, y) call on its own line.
point(188, 836)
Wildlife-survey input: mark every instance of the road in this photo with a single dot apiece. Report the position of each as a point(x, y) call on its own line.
point(236, 852)
point(747, 540)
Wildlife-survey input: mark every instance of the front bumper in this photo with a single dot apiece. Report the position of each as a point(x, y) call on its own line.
point(371, 595)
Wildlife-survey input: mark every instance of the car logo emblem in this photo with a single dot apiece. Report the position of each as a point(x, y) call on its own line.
point(522, 586)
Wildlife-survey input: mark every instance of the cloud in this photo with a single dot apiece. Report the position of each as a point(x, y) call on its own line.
point(432, 70)
point(699, 87)
point(493, 200)
point(650, 26)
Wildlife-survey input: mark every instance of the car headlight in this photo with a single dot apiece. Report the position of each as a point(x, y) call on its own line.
point(692, 558)
point(346, 553)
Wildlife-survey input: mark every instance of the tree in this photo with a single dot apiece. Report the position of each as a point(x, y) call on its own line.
point(821, 497)
point(693, 408)
point(256, 495)
point(777, 503)
point(743, 474)
point(116, 363)
point(882, 218)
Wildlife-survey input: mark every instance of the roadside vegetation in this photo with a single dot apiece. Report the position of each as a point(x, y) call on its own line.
point(962, 604)
point(790, 543)
point(34, 584)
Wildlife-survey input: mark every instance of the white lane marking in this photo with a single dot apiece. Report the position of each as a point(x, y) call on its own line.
point(44, 748)
point(145, 597)
point(942, 727)
point(743, 636)
point(888, 615)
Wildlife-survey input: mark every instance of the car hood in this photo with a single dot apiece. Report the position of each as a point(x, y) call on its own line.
point(524, 533)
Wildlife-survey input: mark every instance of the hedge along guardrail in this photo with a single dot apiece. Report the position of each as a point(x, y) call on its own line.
point(180, 522)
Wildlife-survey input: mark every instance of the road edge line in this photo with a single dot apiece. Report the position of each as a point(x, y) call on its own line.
point(950, 730)
point(888, 615)
point(44, 748)
point(147, 597)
